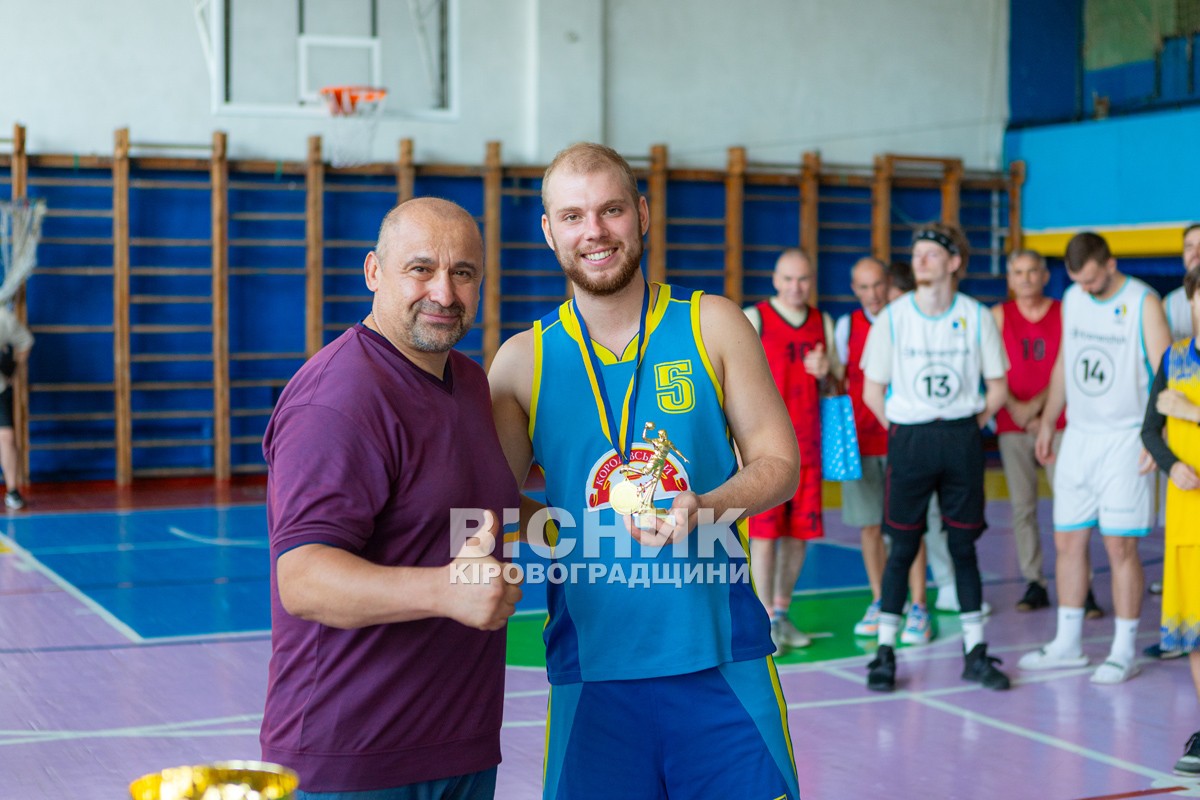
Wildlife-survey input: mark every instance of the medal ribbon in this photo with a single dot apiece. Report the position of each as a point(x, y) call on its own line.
point(592, 363)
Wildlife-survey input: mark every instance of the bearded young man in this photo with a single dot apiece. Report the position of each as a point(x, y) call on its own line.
point(659, 687)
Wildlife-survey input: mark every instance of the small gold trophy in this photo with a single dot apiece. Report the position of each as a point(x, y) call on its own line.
point(635, 494)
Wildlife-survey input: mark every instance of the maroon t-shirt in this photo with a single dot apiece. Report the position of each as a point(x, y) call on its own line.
point(367, 452)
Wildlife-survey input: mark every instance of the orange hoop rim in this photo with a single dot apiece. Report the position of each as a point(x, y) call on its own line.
point(347, 100)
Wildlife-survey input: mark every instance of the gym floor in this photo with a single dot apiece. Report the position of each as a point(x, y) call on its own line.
point(134, 636)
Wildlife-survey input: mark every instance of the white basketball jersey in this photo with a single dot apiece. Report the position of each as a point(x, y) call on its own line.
point(1105, 368)
point(936, 364)
point(1179, 314)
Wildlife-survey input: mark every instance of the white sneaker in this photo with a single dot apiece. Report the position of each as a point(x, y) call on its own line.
point(917, 628)
point(1113, 671)
point(947, 600)
point(784, 634)
point(13, 500)
point(869, 624)
point(1045, 658)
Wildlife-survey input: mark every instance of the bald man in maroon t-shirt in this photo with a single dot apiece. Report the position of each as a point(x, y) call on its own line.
point(387, 664)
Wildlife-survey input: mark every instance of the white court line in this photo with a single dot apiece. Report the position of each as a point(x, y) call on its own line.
point(167, 730)
point(929, 698)
point(1053, 741)
point(122, 547)
point(207, 638)
point(220, 541)
point(99, 610)
point(525, 723)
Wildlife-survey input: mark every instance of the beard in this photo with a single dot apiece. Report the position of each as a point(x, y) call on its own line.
point(432, 337)
point(1101, 290)
point(578, 274)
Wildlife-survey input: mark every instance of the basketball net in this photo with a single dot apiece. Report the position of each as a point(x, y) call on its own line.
point(20, 230)
point(354, 112)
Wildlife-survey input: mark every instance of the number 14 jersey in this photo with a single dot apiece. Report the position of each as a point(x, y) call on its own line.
point(1104, 358)
point(933, 366)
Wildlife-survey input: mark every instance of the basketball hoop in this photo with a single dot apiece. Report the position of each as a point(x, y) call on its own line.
point(20, 230)
point(355, 111)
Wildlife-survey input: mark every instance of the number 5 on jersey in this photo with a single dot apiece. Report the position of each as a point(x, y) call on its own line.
point(675, 390)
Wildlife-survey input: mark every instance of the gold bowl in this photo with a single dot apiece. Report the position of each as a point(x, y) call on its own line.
point(223, 780)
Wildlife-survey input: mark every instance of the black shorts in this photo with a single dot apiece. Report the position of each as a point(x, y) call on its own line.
point(946, 457)
point(6, 413)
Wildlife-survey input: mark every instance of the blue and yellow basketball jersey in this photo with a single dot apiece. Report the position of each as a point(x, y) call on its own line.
point(619, 611)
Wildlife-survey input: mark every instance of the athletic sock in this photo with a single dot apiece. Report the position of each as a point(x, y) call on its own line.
point(1124, 640)
point(779, 613)
point(1068, 640)
point(972, 627)
point(889, 624)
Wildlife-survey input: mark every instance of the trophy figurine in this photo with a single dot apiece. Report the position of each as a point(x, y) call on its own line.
point(635, 495)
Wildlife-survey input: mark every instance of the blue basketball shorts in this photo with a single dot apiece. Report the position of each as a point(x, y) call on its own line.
point(718, 733)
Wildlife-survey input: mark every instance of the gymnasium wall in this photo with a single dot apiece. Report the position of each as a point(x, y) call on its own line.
point(1105, 100)
point(851, 79)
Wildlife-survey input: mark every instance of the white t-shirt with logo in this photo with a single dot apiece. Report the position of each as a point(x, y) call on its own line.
point(934, 366)
point(1105, 366)
point(1179, 314)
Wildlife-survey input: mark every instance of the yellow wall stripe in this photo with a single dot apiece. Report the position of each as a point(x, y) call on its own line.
point(1123, 241)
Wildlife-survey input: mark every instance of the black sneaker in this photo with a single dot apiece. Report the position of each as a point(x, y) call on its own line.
point(1155, 651)
point(882, 675)
point(1035, 598)
point(14, 500)
point(1189, 763)
point(978, 666)
point(1092, 609)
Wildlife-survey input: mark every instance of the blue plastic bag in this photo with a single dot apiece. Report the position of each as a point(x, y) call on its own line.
point(840, 458)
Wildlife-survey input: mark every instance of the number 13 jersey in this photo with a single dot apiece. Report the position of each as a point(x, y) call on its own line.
point(933, 366)
point(1106, 371)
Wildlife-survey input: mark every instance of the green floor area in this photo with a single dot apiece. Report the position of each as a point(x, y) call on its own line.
point(829, 616)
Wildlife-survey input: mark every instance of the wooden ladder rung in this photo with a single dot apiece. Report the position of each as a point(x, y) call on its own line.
point(251, 412)
point(70, 387)
point(180, 271)
point(265, 216)
point(170, 328)
point(71, 328)
point(173, 414)
point(159, 299)
point(169, 358)
point(264, 356)
point(697, 221)
point(73, 416)
point(169, 386)
point(246, 439)
point(85, 444)
point(172, 442)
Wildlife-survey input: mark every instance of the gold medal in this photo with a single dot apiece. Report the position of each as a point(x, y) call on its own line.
point(624, 499)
